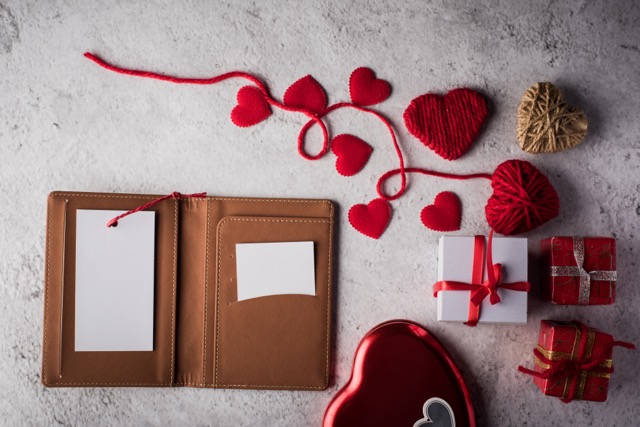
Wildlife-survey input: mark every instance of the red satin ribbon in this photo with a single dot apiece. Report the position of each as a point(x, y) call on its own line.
point(561, 370)
point(175, 195)
point(479, 289)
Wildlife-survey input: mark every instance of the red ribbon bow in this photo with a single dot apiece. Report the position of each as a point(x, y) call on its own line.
point(562, 369)
point(479, 289)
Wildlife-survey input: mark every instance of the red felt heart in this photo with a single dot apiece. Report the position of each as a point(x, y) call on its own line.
point(447, 124)
point(352, 154)
point(444, 214)
point(366, 89)
point(372, 219)
point(252, 107)
point(306, 93)
point(399, 372)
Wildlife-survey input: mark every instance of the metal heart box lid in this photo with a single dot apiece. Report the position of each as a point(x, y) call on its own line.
point(401, 376)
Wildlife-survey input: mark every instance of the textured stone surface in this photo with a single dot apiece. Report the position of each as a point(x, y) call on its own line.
point(65, 124)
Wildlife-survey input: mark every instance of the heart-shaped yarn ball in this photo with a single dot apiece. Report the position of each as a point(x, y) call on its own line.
point(547, 123)
point(522, 199)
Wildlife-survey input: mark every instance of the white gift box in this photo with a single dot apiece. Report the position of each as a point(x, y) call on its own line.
point(455, 263)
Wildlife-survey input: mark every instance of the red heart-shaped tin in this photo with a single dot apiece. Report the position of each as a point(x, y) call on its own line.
point(398, 368)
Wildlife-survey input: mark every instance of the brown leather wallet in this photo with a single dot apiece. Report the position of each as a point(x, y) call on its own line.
point(203, 337)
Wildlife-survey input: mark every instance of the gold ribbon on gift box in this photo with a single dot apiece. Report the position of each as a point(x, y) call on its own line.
point(576, 367)
point(578, 271)
point(559, 355)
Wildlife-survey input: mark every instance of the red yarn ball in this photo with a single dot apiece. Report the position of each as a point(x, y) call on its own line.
point(522, 199)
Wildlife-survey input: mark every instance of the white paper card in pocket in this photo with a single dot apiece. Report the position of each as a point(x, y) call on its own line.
point(275, 269)
point(114, 281)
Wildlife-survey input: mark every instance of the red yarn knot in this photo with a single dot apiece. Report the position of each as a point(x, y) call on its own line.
point(492, 285)
point(523, 198)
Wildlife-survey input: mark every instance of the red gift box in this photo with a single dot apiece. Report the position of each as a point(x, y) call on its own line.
point(579, 270)
point(573, 361)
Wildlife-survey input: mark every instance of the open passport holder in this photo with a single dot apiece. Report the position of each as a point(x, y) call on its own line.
point(203, 336)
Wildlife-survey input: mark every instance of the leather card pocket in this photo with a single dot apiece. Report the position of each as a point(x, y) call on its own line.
point(276, 341)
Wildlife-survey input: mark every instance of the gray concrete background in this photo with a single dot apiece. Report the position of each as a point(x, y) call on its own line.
point(66, 124)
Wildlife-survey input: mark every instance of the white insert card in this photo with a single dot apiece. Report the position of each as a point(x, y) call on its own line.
point(275, 269)
point(114, 281)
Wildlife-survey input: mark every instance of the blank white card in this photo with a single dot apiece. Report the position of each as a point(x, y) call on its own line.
point(275, 269)
point(114, 281)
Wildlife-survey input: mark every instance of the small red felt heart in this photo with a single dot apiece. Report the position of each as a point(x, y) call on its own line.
point(352, 154)
point(306, 93)
point(366, 89)
point(447, 124)
point(372, 219)
point(252, 107)
point(444, 214)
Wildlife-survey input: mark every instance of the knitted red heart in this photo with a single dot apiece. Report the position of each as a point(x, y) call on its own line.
point(447, 124)
point(372, 219)
point(366, 89)
point(252, 108)
point(444, 214)
point(306, 93)
point(352, 154)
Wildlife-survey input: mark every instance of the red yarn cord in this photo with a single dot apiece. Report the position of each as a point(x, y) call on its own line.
point(522, 199)
point(624, 344)
point(384, 120)
point(422, 171)
point(179, 80)
point(217, 79)
point(175, 195)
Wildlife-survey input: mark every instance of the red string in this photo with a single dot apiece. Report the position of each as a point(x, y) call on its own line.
point(523, 198)
point(384, 120)
point(217, 79)
point(422, 171)
point(175, 195)
point(179, 80)
point(314, 118)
